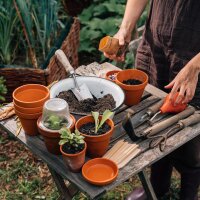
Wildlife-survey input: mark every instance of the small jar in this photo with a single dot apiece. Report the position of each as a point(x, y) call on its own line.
point(56, 114)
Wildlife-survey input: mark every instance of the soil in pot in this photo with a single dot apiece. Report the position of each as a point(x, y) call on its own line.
point(66, 148)
point(107, 102)
point(132, 82)
point(89, 129)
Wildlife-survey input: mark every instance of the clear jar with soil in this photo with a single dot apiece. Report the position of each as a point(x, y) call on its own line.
point(56, 114)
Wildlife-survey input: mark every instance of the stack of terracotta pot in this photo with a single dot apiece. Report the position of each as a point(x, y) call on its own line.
point(28, 103)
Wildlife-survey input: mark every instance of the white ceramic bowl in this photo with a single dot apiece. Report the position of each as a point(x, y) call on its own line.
point(97, 86)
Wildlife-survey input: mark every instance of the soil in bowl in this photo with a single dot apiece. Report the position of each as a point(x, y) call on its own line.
point(66, 148)
point(89, 129)
point(132, 82)
point(106, 102)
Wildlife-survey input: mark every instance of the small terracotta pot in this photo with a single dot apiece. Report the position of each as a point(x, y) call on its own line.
point(97, 145)
point(74, 161)
point(29, 122)
point(28, 110)
point(111, 73)
point(109, 45)
point(52, 138)
point(31, 95)
point(133, 93)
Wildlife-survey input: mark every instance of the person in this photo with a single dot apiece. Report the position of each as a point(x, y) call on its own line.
point(170, 54)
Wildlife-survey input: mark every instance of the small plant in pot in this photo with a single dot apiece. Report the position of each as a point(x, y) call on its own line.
point(55, 116)
point(73, 148)
point(97, 130)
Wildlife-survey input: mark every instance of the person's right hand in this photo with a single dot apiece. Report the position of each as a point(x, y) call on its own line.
point(124, 36)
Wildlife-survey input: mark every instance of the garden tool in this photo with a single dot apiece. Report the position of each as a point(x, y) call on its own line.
point(81, 92)
point(131, 123)
point(162, 139)
point(168, 107)
point(153, 130)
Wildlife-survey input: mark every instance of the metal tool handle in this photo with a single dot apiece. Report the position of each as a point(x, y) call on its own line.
point(169, 122)
point(193, 119)
point(155, 108)
point(60, 55)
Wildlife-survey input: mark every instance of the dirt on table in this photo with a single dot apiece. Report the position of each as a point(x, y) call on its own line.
point(88, 105)
point(89, 129)
point(132, 82)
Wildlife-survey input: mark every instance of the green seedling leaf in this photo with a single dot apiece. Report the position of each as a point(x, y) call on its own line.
point(96, 120)
point(106, 115)
point(62, 142)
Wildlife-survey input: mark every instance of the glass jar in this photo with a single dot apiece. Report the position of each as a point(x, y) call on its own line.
point(56, 114)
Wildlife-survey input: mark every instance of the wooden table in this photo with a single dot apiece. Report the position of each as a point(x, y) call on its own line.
point(135, 166)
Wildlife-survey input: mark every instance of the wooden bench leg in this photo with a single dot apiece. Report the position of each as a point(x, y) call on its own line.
point(66, 192)
point(147, 185)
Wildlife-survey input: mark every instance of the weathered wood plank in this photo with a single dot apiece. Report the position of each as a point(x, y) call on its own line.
point(155, 91)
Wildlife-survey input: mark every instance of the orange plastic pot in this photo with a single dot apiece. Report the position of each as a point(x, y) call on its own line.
point(133, 93)
point(108, 74)
point(74, 161)
point(28, 110)
point(31, 95)
point(29, 122)
point(51, 137)
point(97, 145)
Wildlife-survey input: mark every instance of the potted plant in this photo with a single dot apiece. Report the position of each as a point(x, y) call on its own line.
point(97, 130)
point(55, 116)
point(133, 82)
point(73, 148)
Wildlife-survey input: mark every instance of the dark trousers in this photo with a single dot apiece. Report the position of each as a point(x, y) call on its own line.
point(162, 67)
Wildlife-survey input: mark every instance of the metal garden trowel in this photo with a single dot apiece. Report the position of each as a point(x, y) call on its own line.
point(80, 91)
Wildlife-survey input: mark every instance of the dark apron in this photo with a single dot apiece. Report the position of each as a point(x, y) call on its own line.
point(170, 40)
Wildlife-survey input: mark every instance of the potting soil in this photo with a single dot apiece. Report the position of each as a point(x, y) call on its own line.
point(132, 82)
point(89, 129)
point(68, 149)
point(88, 105)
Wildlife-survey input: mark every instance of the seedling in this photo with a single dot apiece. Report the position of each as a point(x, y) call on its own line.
point(74, 141)
point(99, 123)
point(55, 122)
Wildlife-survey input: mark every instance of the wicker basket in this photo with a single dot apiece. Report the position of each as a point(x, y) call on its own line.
point(18, 76)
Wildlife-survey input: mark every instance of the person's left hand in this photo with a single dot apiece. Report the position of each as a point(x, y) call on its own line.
point(185, 82)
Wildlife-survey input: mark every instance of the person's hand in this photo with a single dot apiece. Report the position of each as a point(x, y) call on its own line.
point(124, 36)
point(185, 82)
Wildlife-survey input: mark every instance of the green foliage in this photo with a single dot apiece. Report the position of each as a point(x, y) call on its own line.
point(73, 140)
point(99, 123)
point(55, 122)
point(42, 21)
point(8, 24)
point(102, 18)
point(3, 89)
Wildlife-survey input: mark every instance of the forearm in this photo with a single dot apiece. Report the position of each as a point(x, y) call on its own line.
point(134, 9)
point(194, 63)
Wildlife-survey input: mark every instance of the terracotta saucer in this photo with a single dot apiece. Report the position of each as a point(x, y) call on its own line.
point(100, 171)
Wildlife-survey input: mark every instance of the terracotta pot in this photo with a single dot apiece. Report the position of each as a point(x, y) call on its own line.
point(133, 93)
point(111, 73)
point(31, 95)
point(97, 145)
point(29, 122)
point(74, 161)
point(28, 110)
point(109, 45)
point(52, 138)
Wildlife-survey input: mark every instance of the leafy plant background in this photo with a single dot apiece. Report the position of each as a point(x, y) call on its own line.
point(101, 18)
point(43, 21)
